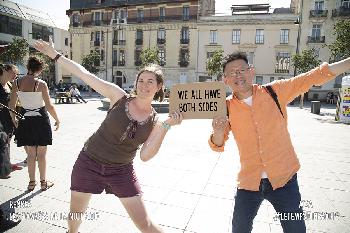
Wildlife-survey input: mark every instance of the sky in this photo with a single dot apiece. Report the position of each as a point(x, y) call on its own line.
point(57, 9)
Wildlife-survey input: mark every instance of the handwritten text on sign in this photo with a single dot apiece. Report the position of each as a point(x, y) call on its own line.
point(199, 100)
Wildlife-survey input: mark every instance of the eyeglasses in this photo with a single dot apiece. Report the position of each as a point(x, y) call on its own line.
point(238, 72)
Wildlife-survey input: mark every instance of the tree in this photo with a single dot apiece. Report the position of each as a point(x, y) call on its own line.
point(306, 61)
point(91, 61)
point(303, 63)
point(149, 56)
point(214, 63)
point(340, 48)
point(15, 51)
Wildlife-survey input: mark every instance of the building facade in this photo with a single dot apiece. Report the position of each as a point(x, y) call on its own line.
point(317, 19)
point(21, 21)
point(120, 30)
point(268, 39)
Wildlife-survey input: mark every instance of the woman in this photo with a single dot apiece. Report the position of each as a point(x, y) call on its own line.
point(105, 162)
point(34, 131)
point(8, 73)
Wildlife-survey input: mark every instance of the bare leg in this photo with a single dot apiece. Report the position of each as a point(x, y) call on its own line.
point(31, 152)
point(41, 153)
point(137, 212)
point(78, 204)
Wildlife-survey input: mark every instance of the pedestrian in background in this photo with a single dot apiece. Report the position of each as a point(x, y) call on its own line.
point(8, 73)
point(106, 160)
point(258, 121)
point(34, 131)
point(74, 92)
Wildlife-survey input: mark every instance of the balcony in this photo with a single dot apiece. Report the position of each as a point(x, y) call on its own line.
point(138, 62)
point(76, 24)
point(183, 63)
point(161, 18)
point(281, 71)
point(318, 13)
point(139, 41)
point(341, 12)
point(184, 41)
point(160, 41)
point(317, 39)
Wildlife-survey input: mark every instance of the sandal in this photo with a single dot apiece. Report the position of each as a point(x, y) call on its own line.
point(45, 185)
point(31, 185)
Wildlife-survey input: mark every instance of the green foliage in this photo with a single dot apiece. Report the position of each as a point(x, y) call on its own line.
point(15, 51)
point(306, 61)
point(149, 56)
point(340, 48)
point(214, 63)
point(91, 61)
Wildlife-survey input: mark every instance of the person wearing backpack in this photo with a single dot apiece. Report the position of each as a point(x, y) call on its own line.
point(257, 117)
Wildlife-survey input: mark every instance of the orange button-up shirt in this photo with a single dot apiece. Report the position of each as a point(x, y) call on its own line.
point(261, 132)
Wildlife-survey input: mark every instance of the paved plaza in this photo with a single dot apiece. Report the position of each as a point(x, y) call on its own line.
point(187, 187)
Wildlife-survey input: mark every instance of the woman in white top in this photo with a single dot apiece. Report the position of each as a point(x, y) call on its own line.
point(34, 131)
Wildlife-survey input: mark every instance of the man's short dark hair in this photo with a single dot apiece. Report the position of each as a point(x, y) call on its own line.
point(232, 57)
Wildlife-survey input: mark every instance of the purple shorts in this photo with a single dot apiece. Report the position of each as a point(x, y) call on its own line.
point(90, 176)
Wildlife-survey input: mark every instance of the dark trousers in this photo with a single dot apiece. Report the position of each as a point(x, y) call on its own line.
point(78, 97)
point(285, 200)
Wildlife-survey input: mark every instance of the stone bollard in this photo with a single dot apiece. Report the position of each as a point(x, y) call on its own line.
point(315, 107)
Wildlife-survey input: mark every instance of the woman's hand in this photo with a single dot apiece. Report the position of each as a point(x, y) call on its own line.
point(219, 124)
point(46, 48)
point(57, 124)
point(174, 118)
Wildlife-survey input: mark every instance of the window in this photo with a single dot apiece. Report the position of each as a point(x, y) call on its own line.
point(102, 55)
point(161, 14)
point(236, 36)
point(186, 13)
point(284, 36)
point(161, 36)
point(9, 25)
point(121, 60)
point(139, 15)
point(137, 57)
point(316, 31)
point(250, 57)
point(75, 20)
point(272, 79)
point(98, 36)
point(210, 55)
point(97, 18)
point(92, 36)
point(319, 5)
point(213, 37)
point(66, 41)
point(115, 57)
point(184, 57)
point(282, 62)
point(139, 37)
point(345, 4)
point(161, 33)
point(41, 32)
point(259, 80)
point(259, 36)
point(185, 34)
point(161, 56)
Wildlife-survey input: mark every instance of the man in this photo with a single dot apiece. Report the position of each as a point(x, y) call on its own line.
point(74, 92)
point(269, 163)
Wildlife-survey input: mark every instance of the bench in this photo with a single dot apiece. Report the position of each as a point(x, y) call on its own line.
point(63, 97)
